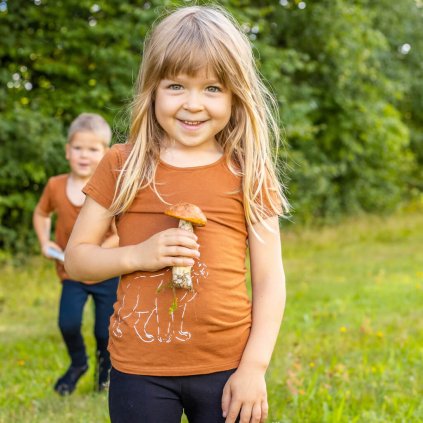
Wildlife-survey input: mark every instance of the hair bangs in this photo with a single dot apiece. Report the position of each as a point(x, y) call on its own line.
point(189, 53)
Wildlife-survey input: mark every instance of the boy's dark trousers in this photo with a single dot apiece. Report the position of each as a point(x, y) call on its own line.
point(72, 301)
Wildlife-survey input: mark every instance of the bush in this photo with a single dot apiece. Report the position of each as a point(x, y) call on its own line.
point(350, 98)
point(32, 150)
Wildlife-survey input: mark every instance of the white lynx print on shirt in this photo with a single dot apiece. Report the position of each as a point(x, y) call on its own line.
point(151, 320)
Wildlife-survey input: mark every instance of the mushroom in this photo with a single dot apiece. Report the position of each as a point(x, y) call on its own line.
point(189, 215)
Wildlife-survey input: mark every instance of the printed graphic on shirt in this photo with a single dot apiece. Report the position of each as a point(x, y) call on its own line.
point(152, 319)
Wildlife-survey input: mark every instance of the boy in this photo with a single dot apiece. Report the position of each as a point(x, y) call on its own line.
point(89, 137)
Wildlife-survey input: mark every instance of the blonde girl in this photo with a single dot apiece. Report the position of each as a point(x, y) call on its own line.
point(202, 132)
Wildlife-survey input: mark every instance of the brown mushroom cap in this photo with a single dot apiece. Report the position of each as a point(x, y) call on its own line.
point(189, 212)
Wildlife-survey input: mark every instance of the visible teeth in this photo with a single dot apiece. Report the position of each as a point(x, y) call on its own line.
point(191, 122)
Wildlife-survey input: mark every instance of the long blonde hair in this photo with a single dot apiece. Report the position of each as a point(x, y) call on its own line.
point(184, 42)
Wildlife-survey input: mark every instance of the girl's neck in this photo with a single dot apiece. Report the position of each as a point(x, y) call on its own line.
point(190, 157)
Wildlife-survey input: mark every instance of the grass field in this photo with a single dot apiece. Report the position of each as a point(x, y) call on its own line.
point(350, 349)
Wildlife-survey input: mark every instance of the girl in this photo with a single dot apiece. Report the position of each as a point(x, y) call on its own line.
point(201, 133)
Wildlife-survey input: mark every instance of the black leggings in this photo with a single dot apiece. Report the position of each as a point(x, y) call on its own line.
point(153, 399)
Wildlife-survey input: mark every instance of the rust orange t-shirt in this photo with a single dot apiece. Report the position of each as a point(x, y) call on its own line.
point(153, 332)
point(55, 200)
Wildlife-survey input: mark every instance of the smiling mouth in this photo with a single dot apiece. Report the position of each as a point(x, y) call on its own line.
point(192, 122)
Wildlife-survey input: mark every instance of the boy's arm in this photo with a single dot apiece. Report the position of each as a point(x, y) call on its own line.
point(245, 390)
point(42, 227)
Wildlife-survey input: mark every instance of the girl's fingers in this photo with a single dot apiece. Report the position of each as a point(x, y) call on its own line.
point(172, 247)
point(264, 411)
point(233, 412)
point(180, 239)
point(256, 414)
point(180, 233)
point(178, 261)
point(245, 416)
point(226, 399)
point(176, 251)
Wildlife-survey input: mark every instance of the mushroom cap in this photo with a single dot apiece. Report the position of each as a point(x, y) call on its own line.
point(189, 212)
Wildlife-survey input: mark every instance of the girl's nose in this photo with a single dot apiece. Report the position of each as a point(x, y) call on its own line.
point(193, 102)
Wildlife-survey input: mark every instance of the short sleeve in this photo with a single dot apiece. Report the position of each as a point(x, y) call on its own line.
point(268, 202)
point(45, 204)
point(272, 204)
point(101, 186)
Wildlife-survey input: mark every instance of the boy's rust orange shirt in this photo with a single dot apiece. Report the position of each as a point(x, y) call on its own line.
point(155, 331)
point(55, 200)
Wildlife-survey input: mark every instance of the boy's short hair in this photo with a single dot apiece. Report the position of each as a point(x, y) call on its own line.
point(91, 122)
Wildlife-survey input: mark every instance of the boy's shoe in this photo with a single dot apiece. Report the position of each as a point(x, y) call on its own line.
point(102, 375)
point(66, 384)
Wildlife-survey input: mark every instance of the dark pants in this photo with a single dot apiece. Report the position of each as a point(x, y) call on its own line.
point(74, 296)
point(152, 399)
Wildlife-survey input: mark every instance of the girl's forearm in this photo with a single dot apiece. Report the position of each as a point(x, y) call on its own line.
point(94, 263)
point(268, 308)
point(111, 242)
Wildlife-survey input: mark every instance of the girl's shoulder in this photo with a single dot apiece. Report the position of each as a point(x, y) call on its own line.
point(122, 148)
point(118, 153)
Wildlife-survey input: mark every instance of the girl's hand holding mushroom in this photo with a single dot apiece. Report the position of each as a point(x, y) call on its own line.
point(189, 215)
point(171, 247)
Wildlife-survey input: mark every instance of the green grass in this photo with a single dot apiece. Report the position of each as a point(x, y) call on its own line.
point(350, 348)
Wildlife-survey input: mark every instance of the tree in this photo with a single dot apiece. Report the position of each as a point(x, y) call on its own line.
point(345, 133)
point(350, 99)
point(58, 59)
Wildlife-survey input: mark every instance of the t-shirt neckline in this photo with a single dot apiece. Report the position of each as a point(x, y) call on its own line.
point(67, 196)
point(215, 163)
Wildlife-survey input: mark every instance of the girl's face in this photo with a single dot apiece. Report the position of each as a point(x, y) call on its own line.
point(192, 110)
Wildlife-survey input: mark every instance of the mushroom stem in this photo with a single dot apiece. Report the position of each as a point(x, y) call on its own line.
point(181, 276)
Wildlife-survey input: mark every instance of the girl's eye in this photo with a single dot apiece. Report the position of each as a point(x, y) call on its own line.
point(214, 89)
point(175, 87)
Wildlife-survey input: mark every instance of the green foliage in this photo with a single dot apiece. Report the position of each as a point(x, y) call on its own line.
point(350, 95)
point(32, 149)
point(348, 145)
point(401, 24)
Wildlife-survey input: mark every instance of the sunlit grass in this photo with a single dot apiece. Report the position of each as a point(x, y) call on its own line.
point(33, 354)
point(350, 349)
point(352, 341)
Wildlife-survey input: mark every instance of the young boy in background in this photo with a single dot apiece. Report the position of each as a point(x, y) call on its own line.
point(89, 137)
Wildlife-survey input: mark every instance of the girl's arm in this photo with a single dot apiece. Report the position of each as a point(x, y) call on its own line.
point(245, 391)
point(86, 259)
point(113, 239)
